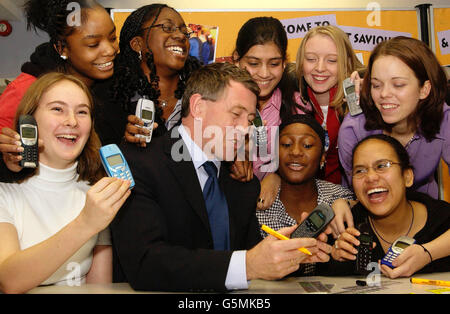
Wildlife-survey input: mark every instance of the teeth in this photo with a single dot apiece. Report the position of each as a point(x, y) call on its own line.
point(67, 137)
point(389, 106)
point(175, 49)
point(376, 190)
point(104, 65)
point(320, 78)
point(263, 82)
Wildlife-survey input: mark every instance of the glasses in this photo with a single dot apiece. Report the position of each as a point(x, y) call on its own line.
point(171, 28)
point(380, 166)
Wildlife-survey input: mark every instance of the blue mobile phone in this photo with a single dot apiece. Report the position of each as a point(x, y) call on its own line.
point(115, 163)
point(396, 249)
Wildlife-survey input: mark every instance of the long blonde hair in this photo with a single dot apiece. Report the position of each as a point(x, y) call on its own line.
point(347, 63)
point(89, 164)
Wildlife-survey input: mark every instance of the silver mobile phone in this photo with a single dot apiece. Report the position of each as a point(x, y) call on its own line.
point(351, 97)
point(145, 110)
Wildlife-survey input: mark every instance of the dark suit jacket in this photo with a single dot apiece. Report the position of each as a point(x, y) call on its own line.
point(161, 236)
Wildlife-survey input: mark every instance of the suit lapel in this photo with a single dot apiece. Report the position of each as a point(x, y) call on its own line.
point(184, 172)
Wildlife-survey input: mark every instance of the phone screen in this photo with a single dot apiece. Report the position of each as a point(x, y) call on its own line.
point(28, 132)
point(402, 245)
point(147, 115)
point(350, 89)
point(257, 122)
point(115, 160)
point(316, 220)
point(364, 238)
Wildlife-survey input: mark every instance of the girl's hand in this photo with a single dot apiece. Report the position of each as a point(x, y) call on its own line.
point(269, 190)
point(131, 130)
point(10, 147)
point(103, 200)
point(411, 260)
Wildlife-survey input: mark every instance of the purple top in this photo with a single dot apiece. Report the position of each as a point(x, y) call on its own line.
point(424, 156)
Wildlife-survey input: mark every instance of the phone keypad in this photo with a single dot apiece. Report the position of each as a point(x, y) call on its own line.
point(121, 173)
point(29, 157)
point(389, 258)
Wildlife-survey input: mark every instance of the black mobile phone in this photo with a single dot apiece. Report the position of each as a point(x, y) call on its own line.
point(364, 256)
point(315, 223)
point(28, 131)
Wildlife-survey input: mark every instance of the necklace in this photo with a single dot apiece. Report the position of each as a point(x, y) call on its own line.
point(165, 102)
point(409, 229)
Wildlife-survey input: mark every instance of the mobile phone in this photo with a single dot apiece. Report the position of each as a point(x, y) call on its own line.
point(28, 131)
point(145, 110)
point(364, 256)
point(115, 163)
point(315, 223)
point(351, 97)
point(396, 249)
point(260, 130)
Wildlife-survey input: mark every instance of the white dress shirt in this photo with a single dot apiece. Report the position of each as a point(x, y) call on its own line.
point(237, 273)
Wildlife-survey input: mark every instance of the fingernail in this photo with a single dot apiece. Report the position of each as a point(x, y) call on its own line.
point(18, 143)
point(20, 149)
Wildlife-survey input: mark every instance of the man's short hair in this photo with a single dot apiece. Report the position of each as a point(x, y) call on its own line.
point(210, 82)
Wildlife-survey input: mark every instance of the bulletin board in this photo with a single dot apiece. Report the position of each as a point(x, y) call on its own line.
point(357, 23)
point(441, 24)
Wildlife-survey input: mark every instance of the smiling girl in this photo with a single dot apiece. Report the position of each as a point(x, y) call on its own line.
point(153, 63)
point(382, 175)
point(403, 95)
point(86, 51)
point(325, 59)
point(51, 217)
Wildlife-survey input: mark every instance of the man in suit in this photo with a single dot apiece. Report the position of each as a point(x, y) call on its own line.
point(164, 238)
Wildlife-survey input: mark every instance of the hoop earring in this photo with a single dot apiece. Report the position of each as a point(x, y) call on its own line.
point(140, 55)
point(63, 57)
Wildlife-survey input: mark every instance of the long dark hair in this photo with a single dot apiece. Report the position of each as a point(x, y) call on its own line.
point(51, 17)
point(129, 78)
point(262, 30)
point(421, 60)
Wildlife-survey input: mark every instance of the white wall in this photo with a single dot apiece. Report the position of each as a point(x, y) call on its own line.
point(16, 48)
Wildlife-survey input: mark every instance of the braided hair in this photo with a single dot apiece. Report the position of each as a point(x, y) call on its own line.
point(129, 78)
point(51, 16)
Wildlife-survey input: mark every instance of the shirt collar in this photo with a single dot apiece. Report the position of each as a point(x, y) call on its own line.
point(198, 156)
point(274, 101)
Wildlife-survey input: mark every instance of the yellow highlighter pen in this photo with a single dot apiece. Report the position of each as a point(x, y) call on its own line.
point(430, 282)
point(282, 237)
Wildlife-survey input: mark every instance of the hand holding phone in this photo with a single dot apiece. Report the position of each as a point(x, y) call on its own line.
point(145, 110)
point(396, 249)
point(115, 163)
point(364, 256)
point(315, 223)
point(351, 97)
point(260, 130)
point(28, 131)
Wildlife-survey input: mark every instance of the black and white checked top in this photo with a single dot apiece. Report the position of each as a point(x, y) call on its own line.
point(276, 216)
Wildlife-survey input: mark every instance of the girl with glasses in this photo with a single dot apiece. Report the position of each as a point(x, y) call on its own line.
point(153, 63)
point(382, 178)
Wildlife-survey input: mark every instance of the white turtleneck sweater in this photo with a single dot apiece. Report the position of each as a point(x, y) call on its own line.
point(41, 206)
